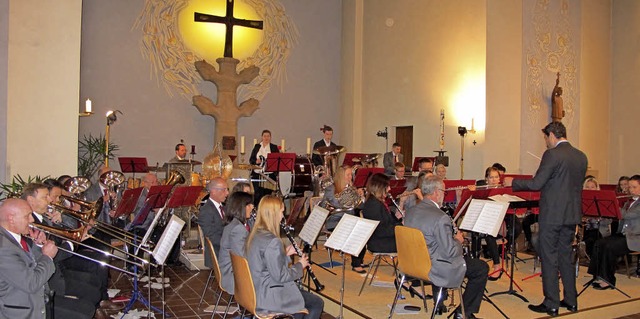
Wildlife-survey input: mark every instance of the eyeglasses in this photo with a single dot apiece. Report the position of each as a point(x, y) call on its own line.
point(442, 189)
point(221, 188)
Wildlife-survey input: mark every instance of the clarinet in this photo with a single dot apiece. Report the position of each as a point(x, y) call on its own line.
point(316, 282)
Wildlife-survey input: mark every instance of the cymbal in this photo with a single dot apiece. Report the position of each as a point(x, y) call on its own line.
point(180, 162)
point(328, 150)
point(371, 157)
point(247, 166)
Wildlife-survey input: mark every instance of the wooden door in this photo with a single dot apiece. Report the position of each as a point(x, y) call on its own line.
point(404, 136)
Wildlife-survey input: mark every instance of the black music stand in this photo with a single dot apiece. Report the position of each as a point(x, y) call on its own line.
point(280, 162)
point(363, 174)
point(600, 203)
point(133, 165)
point(156, 197)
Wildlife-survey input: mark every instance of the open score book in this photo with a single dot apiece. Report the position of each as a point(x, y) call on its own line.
point(351, 234)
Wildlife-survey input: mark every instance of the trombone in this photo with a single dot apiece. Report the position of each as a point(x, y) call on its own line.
point(81, 218)
point(72, 236)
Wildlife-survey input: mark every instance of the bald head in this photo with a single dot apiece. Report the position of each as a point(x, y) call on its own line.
point(149, 180)
point(15, 215)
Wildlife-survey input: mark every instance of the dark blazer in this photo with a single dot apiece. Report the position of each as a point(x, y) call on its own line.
point(273, 279)
point(317, 159)
point(23, 277)
point(447, 262)
point(631, 225)
point(211, 223)
point(233, 239)
point(389, 163)
point(559, 180)
point(383, 239)
point(254, 153)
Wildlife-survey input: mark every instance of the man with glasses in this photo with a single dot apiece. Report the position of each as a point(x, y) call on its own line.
point(448, 265)
point(391, 158)
point(398, 171)
point(425, 164)
point(212, 215)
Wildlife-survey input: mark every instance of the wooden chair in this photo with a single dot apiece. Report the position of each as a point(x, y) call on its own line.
point(244, 290)
point(626, 261)
point(414, 262)
point(216, 270)
point(211, 272)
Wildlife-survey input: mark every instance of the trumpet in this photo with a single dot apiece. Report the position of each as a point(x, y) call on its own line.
point(72, 235)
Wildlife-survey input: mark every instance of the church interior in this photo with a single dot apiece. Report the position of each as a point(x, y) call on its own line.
point(376, 71)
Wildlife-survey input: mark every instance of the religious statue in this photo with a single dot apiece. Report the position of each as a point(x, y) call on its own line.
point(557, 112)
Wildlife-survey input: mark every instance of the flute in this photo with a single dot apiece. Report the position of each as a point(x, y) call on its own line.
point(285, 228)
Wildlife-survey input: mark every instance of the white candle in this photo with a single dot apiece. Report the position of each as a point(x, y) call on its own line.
point(308, 145)
point(87, 106)
point(283, 148)
point(242, 144)
point(472, 123)
point(255, 141)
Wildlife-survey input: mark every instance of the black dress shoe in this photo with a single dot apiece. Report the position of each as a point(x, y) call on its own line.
point(568, 306)
point(601, 287)
point(458, 315)
point(360, 271)
point(541, 308)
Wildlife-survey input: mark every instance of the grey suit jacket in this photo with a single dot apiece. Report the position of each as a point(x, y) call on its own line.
point(389, 163)
point(211, 223)
point(273, 279)
point(233, 238)
point(23, 277)
point(559, 180)
point(631, 225)
point(447, 262)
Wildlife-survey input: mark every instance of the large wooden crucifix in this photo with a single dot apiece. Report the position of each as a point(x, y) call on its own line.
point(227, 79)
point(229, 21)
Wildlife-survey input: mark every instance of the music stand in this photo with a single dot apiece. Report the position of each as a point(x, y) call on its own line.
point(279, 162)
point(416, 162)
point(128, 202)
point(362, 175)
point(133, 165)
point(600, 203)
point(348, 158)
point(156, 197)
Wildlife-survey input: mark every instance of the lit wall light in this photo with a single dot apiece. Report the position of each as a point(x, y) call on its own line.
point(206, 40)
point(469, 102)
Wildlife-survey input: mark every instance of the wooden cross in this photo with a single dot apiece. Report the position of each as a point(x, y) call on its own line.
point(229, 21)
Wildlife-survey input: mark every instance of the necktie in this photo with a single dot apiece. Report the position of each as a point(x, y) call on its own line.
point(23, 242)
point(247, 227)
point(221, 211)
point(395, 159)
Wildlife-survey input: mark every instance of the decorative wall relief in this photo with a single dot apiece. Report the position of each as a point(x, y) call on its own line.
point(551, 35)
point(173, 63)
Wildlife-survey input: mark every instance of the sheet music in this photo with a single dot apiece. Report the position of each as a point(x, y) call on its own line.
point(491, 218)
point(472, 214)
point(312, 227)
point(169, 236)
point(506, 198)
point(156, 218)
point(351, 234)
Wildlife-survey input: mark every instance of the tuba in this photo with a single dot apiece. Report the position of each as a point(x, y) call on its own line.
point(175, 178)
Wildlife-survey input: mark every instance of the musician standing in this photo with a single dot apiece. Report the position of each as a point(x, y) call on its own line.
point(448, 266)
point(181, 153)
point(258, 156)
point(25, 268)
point(390, 158)
point(327, 132)
point(559, 178)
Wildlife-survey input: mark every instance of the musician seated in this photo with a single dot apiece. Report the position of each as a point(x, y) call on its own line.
point(238, 211)
point(242, 187)
point(626, 239)
point(273, 278)
point(594, 228)
point(383, 239)
point(441, 171)
point(448, 265)
point(342, 197)
point(212, 215)
point(398, 171)
point(25, 268)
point(623, 185)
point(390, 158)
point(413, 194)
point(327, 135)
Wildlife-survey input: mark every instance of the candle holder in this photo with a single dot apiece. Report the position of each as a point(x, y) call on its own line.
point(242, 158)
point(85, 114)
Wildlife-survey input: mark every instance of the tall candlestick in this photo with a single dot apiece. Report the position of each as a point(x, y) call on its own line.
point(283, 148)
point(255, 141)
point(242, 144)
point(308, 145)
point(87, 106)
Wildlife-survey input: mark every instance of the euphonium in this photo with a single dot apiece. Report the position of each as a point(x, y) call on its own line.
point(77, 185)
point(175, 178)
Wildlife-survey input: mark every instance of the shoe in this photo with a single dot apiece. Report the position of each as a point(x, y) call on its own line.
point(364, 265)
point(458, 315)
point(601, 287)
point(495, 278)
point(360, 271)
point(569, 307)
point(109, 305)
point(100, 314)
point(541, 308)
point(414, 292)
point(442, 309)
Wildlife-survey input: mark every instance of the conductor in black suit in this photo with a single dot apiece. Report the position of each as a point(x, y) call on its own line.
point(559, 179)
point(324, 142)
